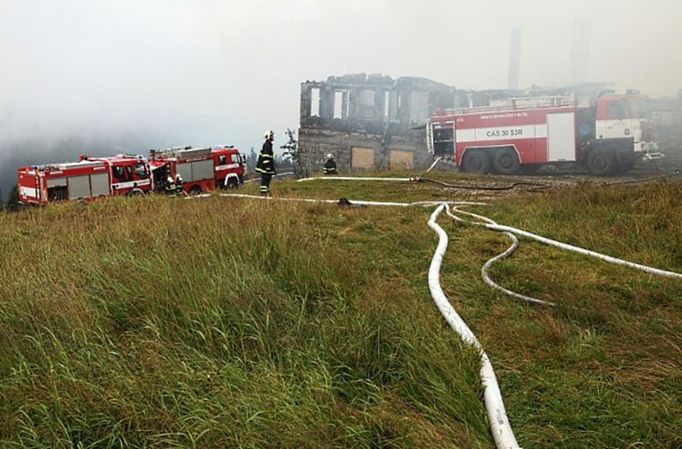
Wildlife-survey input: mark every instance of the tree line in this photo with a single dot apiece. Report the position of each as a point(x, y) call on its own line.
point(12, 203)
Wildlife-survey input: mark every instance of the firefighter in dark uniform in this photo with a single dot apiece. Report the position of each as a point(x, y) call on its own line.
point(169, 185)
point(329, 166)
point(178, 184)
point(266, 164)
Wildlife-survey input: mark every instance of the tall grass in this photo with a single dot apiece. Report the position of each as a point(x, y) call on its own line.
point(157, 322)
point(169, 323)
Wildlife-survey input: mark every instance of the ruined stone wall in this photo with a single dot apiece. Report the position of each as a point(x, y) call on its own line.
point(383, 118)
point(316, 143)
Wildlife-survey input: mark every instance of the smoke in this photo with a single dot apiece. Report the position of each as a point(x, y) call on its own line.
point(168, 72)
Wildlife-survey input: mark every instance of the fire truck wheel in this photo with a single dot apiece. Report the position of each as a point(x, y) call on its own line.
point(600, 162)
point(136, 192)
point(476, 161)
point(506, 162)
point(196, 190)
point(232, 183)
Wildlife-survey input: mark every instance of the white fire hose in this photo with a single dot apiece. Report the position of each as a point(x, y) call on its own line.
point(490, 224)
point(492, 397)
point(497, 415)
point(356, 178)
point(485, 269)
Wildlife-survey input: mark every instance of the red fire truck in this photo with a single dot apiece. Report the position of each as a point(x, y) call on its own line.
point(606, 135)
point(83, 180)
point(201, 169)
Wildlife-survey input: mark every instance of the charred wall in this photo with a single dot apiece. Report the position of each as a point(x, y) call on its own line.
point(369, 122)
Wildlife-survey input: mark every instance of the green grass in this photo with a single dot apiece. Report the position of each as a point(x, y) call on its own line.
point(158, 322)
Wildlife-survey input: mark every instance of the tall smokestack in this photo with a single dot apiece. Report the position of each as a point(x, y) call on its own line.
point(580, 51)
point(514, 59)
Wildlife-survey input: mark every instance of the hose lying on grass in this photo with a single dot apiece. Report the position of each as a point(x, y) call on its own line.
point(494, 405)
point(492, 397)
point(344, 201)
point(497, 415)
point(490, 224)
point(485, 269)
point(534, 186)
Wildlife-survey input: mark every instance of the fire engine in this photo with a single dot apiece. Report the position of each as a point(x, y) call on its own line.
point(84, 180)
point(201, 169)
point(606, 134)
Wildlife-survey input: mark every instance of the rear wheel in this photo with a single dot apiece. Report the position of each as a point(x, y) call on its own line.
point(476, 161)
point(506, 162)
point(195, 190)
point(601, 162)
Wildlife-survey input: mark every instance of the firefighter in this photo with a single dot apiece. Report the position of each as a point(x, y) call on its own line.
point(178, 184)
point(170, 185)
point(330, 165)
point(266, 163)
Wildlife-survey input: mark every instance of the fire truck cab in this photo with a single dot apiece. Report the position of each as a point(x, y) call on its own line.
point(86, 179)
point(229, 167)
point(130, 175)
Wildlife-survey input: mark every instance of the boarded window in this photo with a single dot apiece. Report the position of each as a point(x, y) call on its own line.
point(315, 102)
point(401, 159)
point(363, 158)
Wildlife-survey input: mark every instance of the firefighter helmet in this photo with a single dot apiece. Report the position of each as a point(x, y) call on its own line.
point(269, 134)
point(330, 156)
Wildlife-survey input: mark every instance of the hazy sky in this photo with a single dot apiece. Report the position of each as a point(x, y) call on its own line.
point(210, 71)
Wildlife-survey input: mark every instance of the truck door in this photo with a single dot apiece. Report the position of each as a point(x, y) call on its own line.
point(561, 137)
point(444, 140)
point(614, 119)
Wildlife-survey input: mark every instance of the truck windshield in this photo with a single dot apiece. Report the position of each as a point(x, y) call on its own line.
point(618, 110)
point(638, 108)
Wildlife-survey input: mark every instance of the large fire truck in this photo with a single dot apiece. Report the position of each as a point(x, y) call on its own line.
point(606, 135)
point(84, 180)
point(201, 169)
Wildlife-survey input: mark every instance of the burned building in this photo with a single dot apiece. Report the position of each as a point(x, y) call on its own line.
point(369, 122)
point(666, 116)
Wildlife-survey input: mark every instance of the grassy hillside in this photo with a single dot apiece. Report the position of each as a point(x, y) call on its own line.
point(158, 322)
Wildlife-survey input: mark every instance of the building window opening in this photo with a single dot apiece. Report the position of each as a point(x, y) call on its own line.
point(338, 104)
point(315, 102)
point(387, 104)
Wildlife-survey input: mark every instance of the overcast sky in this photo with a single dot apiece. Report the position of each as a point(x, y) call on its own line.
point(211, 71)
